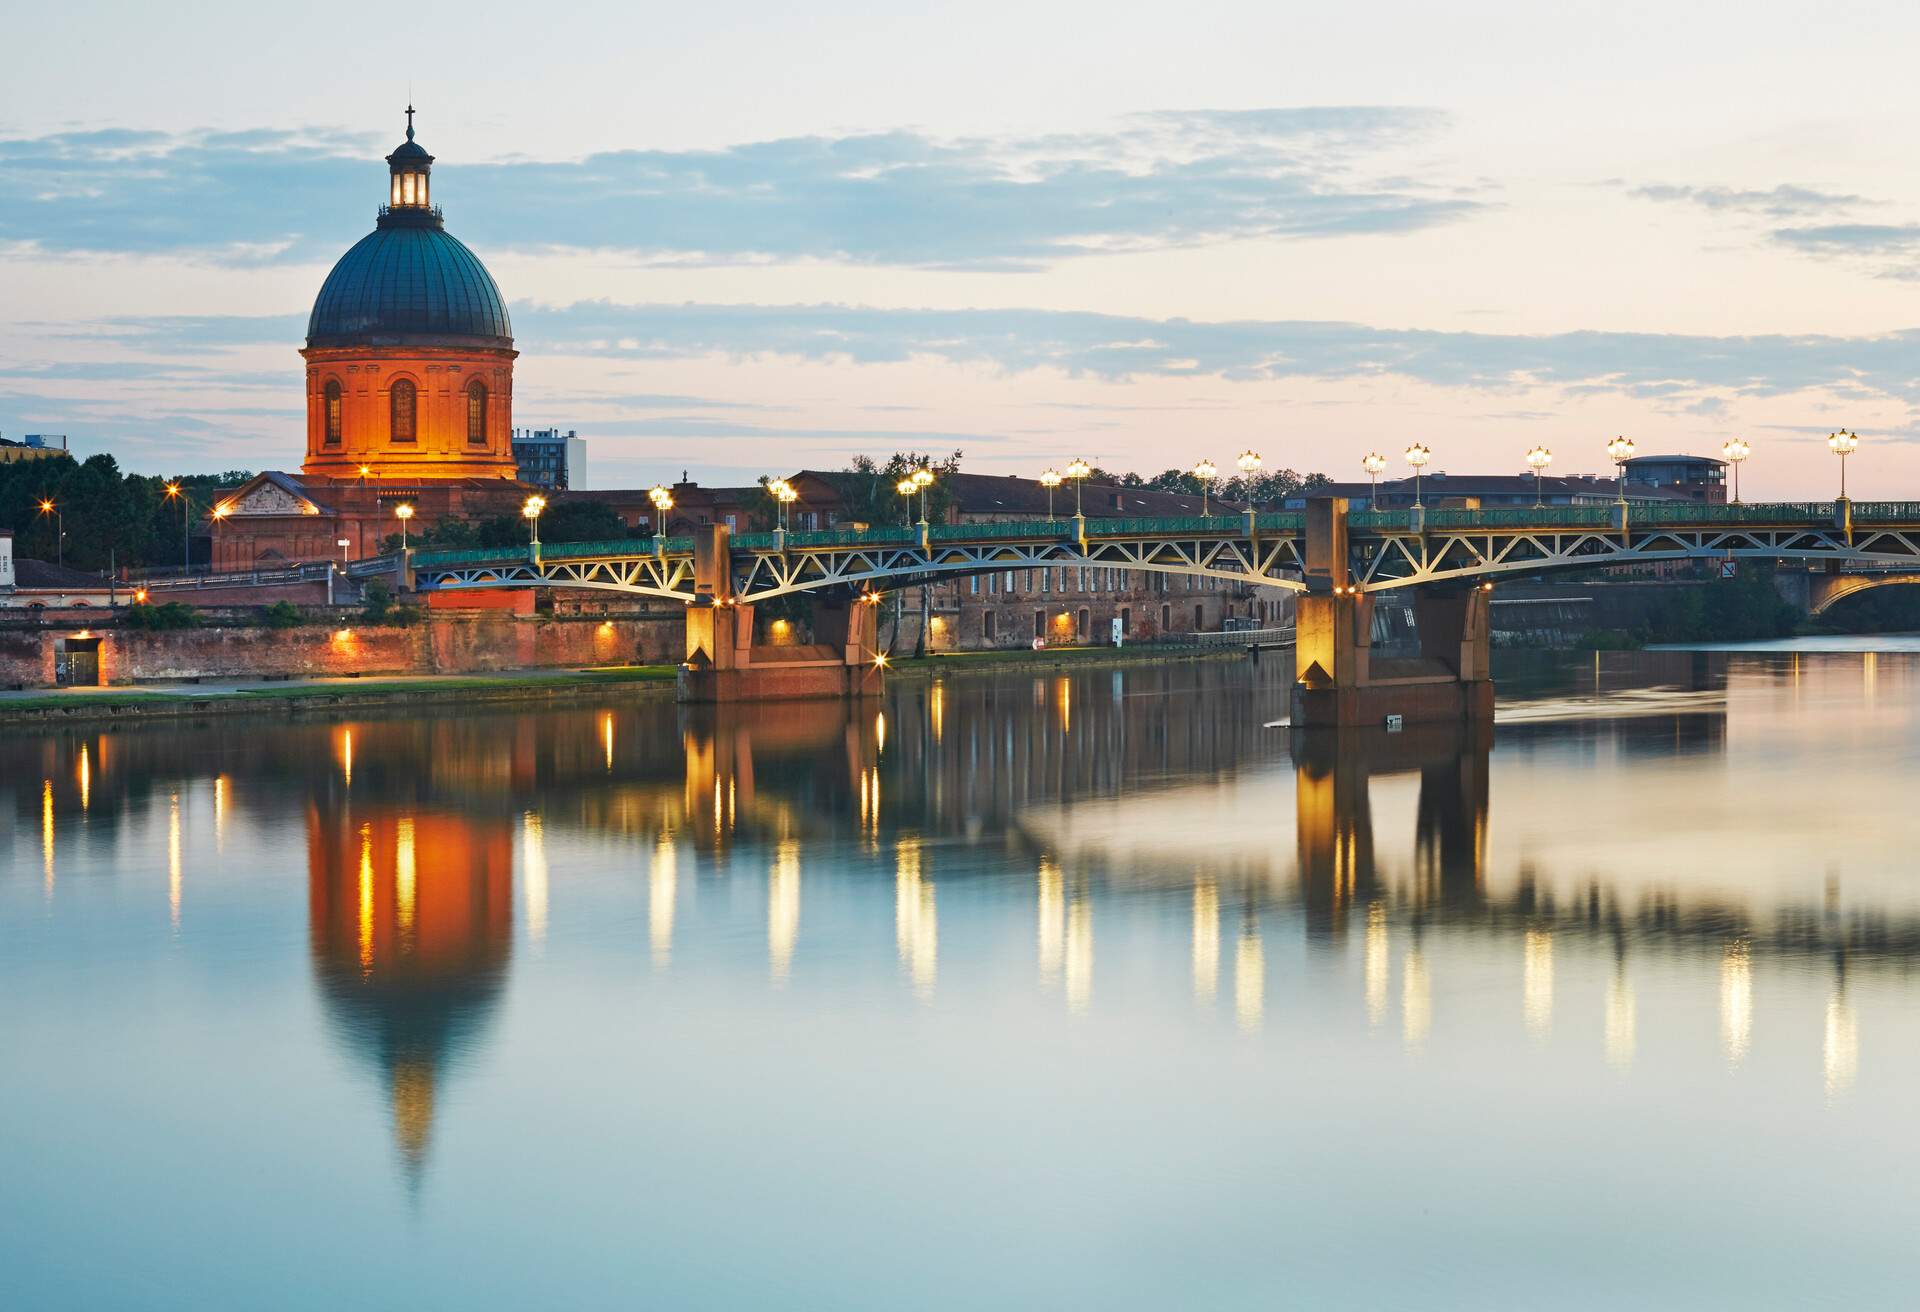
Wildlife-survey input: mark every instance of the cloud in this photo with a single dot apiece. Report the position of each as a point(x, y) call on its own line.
point(1116, 348)
point(1882, 250)
point(1783, 202)
point(898, 198)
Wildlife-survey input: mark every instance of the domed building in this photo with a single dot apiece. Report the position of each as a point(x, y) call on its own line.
point(409, 386)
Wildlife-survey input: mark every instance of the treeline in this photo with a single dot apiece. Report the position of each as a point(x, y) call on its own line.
point(126, 520)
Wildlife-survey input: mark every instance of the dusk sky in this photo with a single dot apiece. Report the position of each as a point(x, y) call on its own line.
point(751, 238)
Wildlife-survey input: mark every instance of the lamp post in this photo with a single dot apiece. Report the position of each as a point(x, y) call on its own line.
point(1418, 453)
point(1735, 453)
point(186, 514)
point(1249, 463)
point(923, 479)
point(1843, 444)
point(1375, 464)
point(662, 502)
point(1206, 473)
point(403, 512)
point(1537, 460)
point(1050, 479)
point(47, 507)
point(784, 491)
point(905, 488)
point(1078, 471)
point(1620, 450)
point(534, 505)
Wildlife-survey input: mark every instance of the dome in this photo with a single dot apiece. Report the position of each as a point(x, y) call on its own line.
point(409, 282)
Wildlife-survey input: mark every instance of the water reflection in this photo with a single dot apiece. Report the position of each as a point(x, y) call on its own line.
point(1555, 861)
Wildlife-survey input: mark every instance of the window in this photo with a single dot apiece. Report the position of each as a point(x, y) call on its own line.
point(331, 412)
point(1126, 620)
point(993, 585)
point(988, 619)
point(400, 405)
point(1199, 619)
point(477, 411)
point(1166, 619)
point(1083, 622)
point(973, 584)
point(1046, 579)
point(1039, 624)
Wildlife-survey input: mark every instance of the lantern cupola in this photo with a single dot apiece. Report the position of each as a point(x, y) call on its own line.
point(408, 197)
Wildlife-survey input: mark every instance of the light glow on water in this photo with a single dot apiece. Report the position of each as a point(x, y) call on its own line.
point(1094, 1002)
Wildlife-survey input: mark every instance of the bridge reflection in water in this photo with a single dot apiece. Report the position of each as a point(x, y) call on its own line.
point(440, 852)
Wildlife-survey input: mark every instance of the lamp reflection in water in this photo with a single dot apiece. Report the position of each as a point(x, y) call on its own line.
point(1079, 954)
point(220, 813)
point(85, 771)
point(1620, 1019)
point(662, 879)
point(1206, 940)
point(1052, 922)
point(606, 737)
point(1536, 985)
point(1736, 1000)
point(173, 860)
point(405, 876)
point(1376, 966)
point(534, 861)
point(916, 928)
point(46, 834)
point(783, 909)
point(1840, 1050)
point(1416, 1000)
point(1249, 978)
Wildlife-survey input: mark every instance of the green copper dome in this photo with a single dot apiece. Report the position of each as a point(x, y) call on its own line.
point(407, 282)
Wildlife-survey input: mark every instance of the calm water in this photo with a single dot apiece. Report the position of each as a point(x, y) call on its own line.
point(1090, 991)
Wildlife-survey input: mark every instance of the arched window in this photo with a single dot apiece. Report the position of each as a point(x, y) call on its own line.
point(476, 411)
point(332, 412)
point(401, 402)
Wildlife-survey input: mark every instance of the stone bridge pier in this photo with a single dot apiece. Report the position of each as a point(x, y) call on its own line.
point(1337, 679)
point(724, 664)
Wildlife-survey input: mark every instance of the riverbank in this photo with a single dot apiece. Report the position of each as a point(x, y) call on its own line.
point(162, 701)
point(330, 695)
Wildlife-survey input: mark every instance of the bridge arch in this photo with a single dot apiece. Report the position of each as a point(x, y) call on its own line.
point(1827, 589)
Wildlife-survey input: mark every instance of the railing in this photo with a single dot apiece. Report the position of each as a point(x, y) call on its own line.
point(233, 578)
point(1243, 638)
point(1662, 513)
point(1523, 517)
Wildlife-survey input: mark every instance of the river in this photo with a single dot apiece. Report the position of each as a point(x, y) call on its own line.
point(1090, 990)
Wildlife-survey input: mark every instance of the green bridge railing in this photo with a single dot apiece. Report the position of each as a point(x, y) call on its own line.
point(1640, 515)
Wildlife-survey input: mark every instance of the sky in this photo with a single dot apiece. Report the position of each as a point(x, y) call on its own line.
point(749, 238)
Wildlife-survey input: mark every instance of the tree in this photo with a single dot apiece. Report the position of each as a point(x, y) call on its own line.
point(869, 488)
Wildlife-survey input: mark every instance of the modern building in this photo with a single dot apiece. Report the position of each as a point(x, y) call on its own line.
point(32, 446)
point(409, 377)
point(1696, 478)
point(1439, 490)
point(549, 458)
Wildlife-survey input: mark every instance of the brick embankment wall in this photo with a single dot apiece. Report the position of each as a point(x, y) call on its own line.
point(442, 643)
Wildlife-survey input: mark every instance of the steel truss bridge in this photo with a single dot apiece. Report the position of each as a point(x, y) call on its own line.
point(1386, 549)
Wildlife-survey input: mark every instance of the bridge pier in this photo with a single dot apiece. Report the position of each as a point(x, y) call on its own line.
point(1339, 682)
point(724, 665)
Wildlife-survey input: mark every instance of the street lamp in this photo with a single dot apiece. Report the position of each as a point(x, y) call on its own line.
point(1418, 453)
point(1735, 452)
point(1375, 464)
point(366, 472)
point(1205, 472)
point(186, 514)
point(662, 503)
point(923, 479)
point(783, 491)
point(534, 505)
point(905, 488)
point(47, 507)
point(1050, 479)
point(1078, 471)
point(1620, 450)
point(1843, 444)
point(403, 512)
point(1537, 460)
